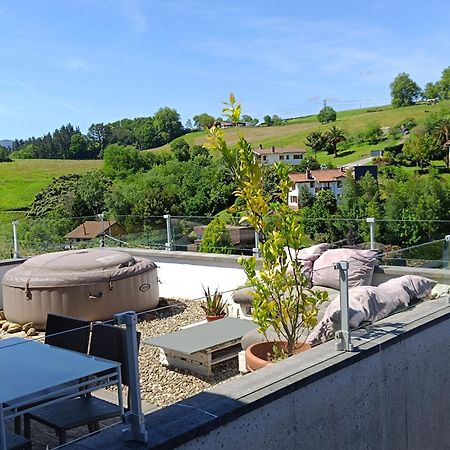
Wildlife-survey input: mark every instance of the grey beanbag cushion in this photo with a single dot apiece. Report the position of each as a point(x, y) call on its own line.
point(361, 264)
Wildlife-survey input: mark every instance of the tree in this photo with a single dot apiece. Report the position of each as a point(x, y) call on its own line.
point(79, 147)
point(423, 149)
point(216, 238)
point(168, 124)
point(203, 121)
point(373, 133)
point(334, 136)
point(307, 163)
point(404, 91)
point(327, 114)
point(121, 161)
point(432, 90)
point(276, 120)
point(444, 84)
point(249, 119)
point(4, 154)
point(441, 131)
point(319, 218)
point(99, 137)
point(267, 120)
point(180, 149)
point(317, 141)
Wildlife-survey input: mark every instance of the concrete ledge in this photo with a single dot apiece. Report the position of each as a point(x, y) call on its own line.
point(231, 414)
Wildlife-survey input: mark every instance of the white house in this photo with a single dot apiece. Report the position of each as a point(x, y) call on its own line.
point(272, 155)
point(316, 181)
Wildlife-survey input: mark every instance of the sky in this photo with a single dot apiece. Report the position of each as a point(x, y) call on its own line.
point(91, 61)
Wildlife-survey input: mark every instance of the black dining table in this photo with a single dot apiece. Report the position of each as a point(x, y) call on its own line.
point(33, 374)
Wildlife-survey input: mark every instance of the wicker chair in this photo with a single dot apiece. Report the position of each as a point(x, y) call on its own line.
point(107, 342)
point(64, 332)
point(17, 442)
point(67, 332)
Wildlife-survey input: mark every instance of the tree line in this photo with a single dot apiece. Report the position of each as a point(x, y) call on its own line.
point(68, 142)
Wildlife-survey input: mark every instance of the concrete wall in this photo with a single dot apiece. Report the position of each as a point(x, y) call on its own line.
point(392, 393)
point(397, 398)
point(5, 265)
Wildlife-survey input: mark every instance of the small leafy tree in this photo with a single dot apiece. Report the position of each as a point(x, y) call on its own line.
point(317, 141)
point(404, 91)
point(282, 297)
point(327, 114)
point(216, 238)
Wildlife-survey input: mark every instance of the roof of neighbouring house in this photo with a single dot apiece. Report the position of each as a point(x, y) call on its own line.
point(321, 176)
point(90, 229)
point(278, 151)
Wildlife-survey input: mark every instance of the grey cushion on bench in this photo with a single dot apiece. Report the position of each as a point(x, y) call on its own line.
point(243, 296)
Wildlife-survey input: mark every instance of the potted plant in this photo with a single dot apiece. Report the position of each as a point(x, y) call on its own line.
point(283, 300)
point(214, 305)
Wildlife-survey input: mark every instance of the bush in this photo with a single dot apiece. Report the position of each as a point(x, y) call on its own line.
point(327, 114)
point(216, 238)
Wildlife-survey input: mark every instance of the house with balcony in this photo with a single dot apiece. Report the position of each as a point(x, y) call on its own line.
point(315, 181)
point(272, 155)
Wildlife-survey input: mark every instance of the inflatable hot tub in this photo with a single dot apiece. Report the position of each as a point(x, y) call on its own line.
point(91, 284)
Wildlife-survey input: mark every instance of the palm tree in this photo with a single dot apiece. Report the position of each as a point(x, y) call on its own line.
point(441, 132)
point(334, 136)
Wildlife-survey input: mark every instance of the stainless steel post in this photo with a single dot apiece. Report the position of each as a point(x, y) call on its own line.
point(256, 253)
point(343, 337)
point(371, 222)
point(169, 232)
point(16, 242)
point(445, 252)
point(101, 217)
point(135, 417)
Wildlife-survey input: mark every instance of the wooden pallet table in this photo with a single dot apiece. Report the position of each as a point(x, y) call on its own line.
point(201, 347)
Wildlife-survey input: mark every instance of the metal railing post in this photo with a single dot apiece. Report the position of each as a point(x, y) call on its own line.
point(343, 336)
point(371, 222)
point(256, 253)
point(101, 217)
point(168, 245)
point(445, 252)
point(135, 417)
point(16, 242)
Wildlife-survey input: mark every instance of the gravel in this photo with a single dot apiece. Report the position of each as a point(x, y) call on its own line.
point(161, 385)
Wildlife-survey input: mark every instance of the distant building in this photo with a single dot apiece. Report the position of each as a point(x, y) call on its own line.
point(272, 155)
point(91, 229)
point(316, 181)
point(227, 124)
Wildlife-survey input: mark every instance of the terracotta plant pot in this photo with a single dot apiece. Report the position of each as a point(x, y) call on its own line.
point(212, 318)
point(258, 355)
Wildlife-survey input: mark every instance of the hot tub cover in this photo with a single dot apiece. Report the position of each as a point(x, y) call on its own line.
point(75, 267)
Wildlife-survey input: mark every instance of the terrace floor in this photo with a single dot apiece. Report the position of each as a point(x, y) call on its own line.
point(160, 385)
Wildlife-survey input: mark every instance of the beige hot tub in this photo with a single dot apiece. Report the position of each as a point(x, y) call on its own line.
point(91, 284)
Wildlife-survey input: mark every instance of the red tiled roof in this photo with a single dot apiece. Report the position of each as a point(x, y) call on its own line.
point(321, 176)
point(327, 175)
point(299, 177)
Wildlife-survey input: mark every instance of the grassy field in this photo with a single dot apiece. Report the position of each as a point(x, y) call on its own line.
point(22, 179)
point(294, 132)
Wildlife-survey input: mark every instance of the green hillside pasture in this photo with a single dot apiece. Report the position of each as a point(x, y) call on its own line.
point(21, 180)
point(294, 132)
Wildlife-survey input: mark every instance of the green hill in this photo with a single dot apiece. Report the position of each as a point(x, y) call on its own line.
point(294, 131)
